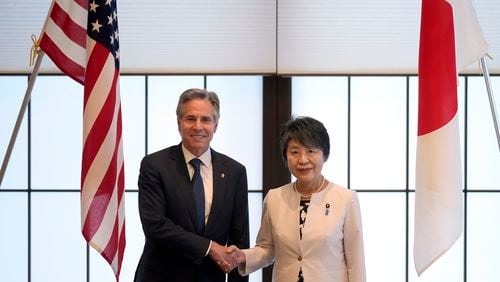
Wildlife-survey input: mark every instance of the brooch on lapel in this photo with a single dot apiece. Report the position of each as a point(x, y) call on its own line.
point(222, 175)
point(327, 208)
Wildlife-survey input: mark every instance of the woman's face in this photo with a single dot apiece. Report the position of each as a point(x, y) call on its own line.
point(305, 163)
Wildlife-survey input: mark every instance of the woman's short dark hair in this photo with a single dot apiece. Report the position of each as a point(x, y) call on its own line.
point(198, 94)
point(306, 130)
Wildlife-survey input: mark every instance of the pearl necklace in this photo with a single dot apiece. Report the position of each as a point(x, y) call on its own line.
point(320, 187)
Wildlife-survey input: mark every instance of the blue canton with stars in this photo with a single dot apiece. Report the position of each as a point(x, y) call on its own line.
point(102, 26)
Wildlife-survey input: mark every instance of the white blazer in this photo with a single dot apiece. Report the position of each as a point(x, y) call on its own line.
point(331, 248)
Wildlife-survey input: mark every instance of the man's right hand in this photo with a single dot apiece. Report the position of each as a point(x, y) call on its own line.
point(223, 257)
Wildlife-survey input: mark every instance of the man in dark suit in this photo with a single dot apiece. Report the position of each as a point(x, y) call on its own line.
point(186, 238)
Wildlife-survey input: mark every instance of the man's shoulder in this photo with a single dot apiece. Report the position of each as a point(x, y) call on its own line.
point(163, 153)
point(223, 158)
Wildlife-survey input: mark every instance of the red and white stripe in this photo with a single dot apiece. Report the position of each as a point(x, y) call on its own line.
point(64, 39)
point(450, 38)
point(102, 203)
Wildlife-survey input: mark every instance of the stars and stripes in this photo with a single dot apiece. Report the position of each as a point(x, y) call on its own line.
point(82, 39)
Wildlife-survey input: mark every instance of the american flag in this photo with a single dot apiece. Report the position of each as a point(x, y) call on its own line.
point(81, 37)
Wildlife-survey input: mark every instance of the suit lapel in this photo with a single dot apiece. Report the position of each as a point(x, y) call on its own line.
point(219, 189)
point(185, 186)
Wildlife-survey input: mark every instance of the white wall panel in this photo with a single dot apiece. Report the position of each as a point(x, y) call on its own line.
point(252, 36)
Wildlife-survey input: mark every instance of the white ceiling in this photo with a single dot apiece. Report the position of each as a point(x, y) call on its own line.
point(242, 36)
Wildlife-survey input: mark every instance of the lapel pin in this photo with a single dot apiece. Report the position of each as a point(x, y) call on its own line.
point(222, 175)
point(327, 210)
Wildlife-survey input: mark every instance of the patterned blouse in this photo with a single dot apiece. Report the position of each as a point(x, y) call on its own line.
point(304, 204)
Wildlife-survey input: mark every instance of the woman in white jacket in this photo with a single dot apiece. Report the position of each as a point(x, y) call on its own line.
point(311, 228)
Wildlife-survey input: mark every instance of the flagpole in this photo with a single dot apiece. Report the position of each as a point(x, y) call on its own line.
point(22, 110)
point(486, 76)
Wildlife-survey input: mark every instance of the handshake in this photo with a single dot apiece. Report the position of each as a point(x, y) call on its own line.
point(227, 258)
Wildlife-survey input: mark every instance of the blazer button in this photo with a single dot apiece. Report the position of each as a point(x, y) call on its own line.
point(300, 258)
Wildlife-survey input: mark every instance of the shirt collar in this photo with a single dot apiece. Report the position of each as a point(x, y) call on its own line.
point(206, 157)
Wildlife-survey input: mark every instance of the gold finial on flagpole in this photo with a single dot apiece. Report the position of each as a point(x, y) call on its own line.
point(35, 48)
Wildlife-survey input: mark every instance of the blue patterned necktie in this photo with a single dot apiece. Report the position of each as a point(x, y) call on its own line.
point(199, 195)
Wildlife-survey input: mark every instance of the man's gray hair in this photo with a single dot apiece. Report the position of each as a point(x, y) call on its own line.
point(198, 94)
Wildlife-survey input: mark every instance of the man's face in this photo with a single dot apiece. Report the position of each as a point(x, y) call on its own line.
point(197, 125)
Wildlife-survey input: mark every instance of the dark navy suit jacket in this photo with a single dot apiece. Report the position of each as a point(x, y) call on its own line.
point(173, 251)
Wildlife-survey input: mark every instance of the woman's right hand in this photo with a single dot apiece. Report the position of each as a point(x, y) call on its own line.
point(237, 254)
